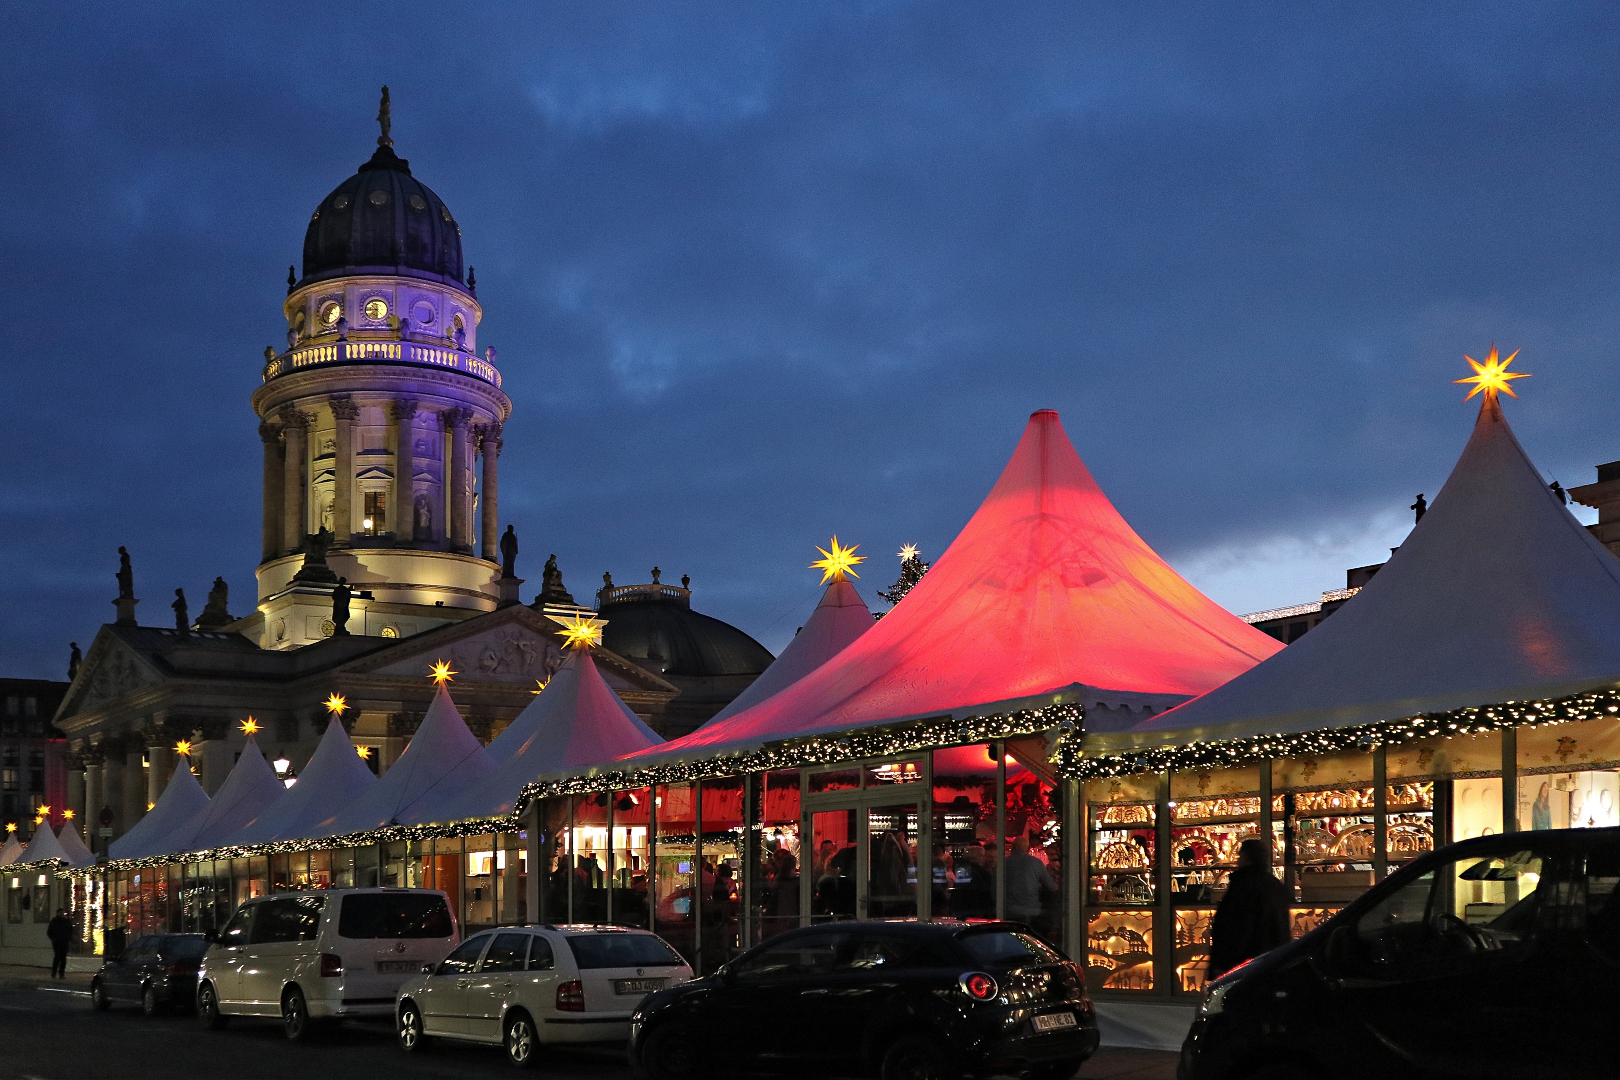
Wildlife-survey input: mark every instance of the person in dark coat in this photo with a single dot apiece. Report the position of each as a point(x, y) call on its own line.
point(60, 933)
point(1252, 916)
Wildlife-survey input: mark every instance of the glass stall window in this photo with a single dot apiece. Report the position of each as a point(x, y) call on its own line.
point(1124, 852)
point(1119, 950)
point(963, 863)
point(721, 866)
point(776, 895)
point(676, 875)
point(627, 857)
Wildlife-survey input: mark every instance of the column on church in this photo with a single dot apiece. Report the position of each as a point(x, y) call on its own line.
point(94, 796)
point(344, 412)
point(294, 488)
point(404, 500)
point(212, 755)
point(158, 760)
point(134, 785)
point(490, 445)
point(270, 434)
point(112, 784)
point(75, 789)
point(456, 473)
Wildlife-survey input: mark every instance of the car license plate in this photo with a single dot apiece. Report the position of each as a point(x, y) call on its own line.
point(394, 967)
point(1053, 1021)
point(637, 986)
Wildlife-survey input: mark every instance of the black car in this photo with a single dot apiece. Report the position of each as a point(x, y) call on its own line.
point(158, 972)
point(903, 1000)
point(1495, 957)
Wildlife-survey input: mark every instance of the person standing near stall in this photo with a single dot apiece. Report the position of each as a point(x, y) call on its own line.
point(1253, 915)
point(60, 933)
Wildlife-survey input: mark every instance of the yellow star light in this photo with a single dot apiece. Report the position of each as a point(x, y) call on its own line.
point(11, 826)
point(183, 747)
point(838, 562)
point(1492, 376)
point(67, 815)
point(539, 685)
point(578, 631)
point(42, 812)
point(441, 672)
point(364, 752)
point(250, 726)
point(907, 552)
point(335, 704)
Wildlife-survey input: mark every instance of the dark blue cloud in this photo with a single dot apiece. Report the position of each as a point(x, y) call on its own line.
point(761, 274)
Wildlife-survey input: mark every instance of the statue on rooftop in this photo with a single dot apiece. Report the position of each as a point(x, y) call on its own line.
point(125, 575)
point(314, 567)
point(214, 612)
point(551, 585)
point(385, 120)
point(656, 572)
point(182, 616)
point(509, 552)
point(340, 608)
point(1419, 508)
point(75, 658)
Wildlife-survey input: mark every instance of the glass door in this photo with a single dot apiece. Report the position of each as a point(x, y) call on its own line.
point(891, 862)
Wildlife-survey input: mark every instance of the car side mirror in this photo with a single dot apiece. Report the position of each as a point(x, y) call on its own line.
point(1341, 948)
point(427, 969)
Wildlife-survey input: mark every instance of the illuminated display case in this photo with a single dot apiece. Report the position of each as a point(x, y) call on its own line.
point(1124, 843)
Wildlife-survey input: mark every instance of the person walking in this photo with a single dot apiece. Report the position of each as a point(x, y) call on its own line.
point(1253, 915)
point(60, 933)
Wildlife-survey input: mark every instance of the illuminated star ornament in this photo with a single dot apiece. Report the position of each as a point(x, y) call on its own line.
point(183, 747)
point(1492, 376)
point(539, 685)
point(907, 552)
point(250, 727)
point(441, 673)
point(838, 563)
point(335, 704)
point(578, 632)
point(11, 826)
point(67, 815)
point(364, 752)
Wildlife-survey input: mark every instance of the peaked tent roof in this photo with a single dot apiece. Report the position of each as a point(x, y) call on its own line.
point(77, 854)
point(1498, 594)
point(10, 850)
point(247, 792)
point(183, 800)
point(840, 618)
point(334, 778)
point(577, 720)
point(444, 757)
point(43, 847)
point(1045, 591)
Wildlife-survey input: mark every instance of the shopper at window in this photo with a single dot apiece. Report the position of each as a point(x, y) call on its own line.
point(1252, 916)
point(1027, 882)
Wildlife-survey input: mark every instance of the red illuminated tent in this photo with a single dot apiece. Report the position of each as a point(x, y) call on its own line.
point(1046, 596)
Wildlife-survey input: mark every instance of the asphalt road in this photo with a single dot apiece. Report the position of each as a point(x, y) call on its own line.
point(49, 1032)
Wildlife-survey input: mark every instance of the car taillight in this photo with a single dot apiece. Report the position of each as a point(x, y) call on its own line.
point(174, 971)
point(977, 985)
point(571, 996)
point(331, 965)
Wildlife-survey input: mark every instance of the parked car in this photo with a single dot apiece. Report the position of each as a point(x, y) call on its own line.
point(526, 987)
point(158, 972)
point(312, 956)
point(1494, 957)
point(905, 1000)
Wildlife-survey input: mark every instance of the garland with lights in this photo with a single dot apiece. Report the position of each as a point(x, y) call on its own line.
point(1070, 760)
point(829, 749)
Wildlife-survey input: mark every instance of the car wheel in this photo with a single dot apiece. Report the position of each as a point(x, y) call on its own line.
point(522, 1041)
point(98, 996)
point(411, 1038)
point(208, 1008)
point(1055, 1070)
point(915, 1058)
point(295, 1016)
point(671, 1053)
point(150, 1004)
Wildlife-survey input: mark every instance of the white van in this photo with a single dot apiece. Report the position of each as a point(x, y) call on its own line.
point(307, 956)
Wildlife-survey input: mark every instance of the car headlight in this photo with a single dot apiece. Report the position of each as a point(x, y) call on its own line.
point(1214, 1000)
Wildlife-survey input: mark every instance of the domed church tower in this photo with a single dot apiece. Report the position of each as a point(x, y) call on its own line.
point(375, 419)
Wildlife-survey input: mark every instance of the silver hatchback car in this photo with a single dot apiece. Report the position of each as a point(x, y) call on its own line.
point(529, 986)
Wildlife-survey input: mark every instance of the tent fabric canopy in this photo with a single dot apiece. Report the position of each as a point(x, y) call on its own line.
point(334, 778)
point(1498, 594)
point(1046, 587)
point(182, 800)
point(77, 854)
point(44, 847)
point(10, 850)
point(840, 618)
point(247, 792)
point(443, 757)
point(577, 720)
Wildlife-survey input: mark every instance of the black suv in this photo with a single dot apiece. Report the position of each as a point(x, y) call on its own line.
point(907, 1000)
point(158, 972)
point(1495, 957)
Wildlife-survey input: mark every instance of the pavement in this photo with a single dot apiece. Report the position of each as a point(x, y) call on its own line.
point(48, 1030)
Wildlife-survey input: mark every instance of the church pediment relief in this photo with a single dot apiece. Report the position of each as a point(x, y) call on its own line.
point(109, 672)
point(504, 654)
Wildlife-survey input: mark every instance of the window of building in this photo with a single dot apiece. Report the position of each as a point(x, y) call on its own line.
point(8, 779)
point(376, 513)
point(30, 706)
point(13, 705)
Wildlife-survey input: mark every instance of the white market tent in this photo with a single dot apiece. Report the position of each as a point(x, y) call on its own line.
point(334, 778)
point(840, 618)
point(247, 792)
point(1498, 595)
point(182, 801)
point(577, 720)
point(10, 850)
point(77, 854)
point(444, 757)
point(43, 847)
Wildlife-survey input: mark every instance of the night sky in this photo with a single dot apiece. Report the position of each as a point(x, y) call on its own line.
point(761, 273)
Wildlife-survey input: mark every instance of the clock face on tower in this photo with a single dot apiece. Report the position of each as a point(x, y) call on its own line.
point(376, 308)
point(331, 312)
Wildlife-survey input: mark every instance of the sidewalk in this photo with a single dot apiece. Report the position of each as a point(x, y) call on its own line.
point(15, 975)
point(1116, 1063)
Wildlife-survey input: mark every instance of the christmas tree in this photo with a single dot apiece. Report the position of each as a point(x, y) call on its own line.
point(912, 569)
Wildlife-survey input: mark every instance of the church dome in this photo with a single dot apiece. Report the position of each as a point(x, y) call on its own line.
point(654, 627)
point(382, 220)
